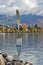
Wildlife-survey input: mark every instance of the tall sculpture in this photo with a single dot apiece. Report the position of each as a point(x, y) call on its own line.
point(19, 39)
point(18, 18)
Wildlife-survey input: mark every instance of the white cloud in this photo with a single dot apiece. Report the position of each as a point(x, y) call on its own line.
point(27, 6)
point(30, 3)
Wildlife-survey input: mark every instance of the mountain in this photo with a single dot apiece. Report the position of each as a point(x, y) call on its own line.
point(28, 19)
point(32, 19)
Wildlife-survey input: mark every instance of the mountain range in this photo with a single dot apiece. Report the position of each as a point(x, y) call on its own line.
point(28, 19)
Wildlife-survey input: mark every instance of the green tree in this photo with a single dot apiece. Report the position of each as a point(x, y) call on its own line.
point(36, 26)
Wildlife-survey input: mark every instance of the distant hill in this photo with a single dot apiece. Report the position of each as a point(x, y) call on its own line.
point(29, 19)
point(32, 19)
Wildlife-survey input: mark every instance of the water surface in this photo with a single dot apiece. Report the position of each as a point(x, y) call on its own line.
point(31, 49)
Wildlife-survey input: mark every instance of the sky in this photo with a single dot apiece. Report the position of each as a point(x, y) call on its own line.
point(24, 6)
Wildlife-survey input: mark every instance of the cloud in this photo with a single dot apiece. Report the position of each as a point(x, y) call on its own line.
point(25, 7)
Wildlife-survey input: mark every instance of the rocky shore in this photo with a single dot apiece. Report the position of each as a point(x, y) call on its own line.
point(7, 60)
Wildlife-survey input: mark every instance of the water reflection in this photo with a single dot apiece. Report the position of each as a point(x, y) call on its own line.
point(31, 48)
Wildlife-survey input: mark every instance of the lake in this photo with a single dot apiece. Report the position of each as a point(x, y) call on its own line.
point(31, 46)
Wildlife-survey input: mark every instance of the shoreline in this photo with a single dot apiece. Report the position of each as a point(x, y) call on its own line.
point(21, 32)
point(7, 60)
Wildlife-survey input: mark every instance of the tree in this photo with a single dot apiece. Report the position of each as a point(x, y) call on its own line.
point(36, 26)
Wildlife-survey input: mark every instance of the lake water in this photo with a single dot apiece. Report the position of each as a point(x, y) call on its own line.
point(31, 46)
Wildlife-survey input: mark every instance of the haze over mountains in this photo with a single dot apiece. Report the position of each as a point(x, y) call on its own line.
point(28, 19)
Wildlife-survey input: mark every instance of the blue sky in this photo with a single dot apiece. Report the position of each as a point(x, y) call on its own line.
point(24, 6)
